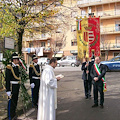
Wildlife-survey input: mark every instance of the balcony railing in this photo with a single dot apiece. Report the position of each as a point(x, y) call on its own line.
point(84, 3)
point(110, 46)
point(34, 49)
point(104, 14)
point(113, 29)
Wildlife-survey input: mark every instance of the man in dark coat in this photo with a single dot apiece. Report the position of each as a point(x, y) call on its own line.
point(97, 82)
point(34, 75)
point(86, 67)
point(12, 85)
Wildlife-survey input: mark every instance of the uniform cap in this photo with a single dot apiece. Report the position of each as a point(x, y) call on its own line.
point(34, 57)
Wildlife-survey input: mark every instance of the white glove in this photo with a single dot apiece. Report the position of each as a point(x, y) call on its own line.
point(9, 93)
point(32, 85)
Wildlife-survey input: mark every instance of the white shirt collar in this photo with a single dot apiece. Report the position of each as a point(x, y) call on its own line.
point(99, 64)
point(13, 64)
point(34, 63)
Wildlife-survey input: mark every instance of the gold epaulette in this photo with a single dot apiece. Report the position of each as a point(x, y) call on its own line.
point(31, 65)
point(8, 67)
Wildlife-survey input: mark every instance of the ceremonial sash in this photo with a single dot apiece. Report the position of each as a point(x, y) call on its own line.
point(103, 78)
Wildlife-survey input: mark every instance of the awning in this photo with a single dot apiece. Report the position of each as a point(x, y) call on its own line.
point(58, 55)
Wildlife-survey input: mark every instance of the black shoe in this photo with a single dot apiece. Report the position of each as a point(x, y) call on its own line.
point(95, 105)
point(86, 97)
point(101, 106)
point(89, 97)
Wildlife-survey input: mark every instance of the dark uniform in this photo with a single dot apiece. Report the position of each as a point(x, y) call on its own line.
point(87, 79)
point(34, 75)
point(98, 85)
point(12, 86)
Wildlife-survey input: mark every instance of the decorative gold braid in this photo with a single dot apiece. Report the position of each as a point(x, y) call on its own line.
point(35, 70)
point(10, 67)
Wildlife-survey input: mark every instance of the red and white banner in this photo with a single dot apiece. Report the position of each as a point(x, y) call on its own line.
point(94, 36)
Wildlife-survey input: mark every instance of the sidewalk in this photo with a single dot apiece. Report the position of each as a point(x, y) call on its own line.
point(4, 103)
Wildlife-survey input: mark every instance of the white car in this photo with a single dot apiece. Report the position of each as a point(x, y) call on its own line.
point(43, 61)
point(68, 60)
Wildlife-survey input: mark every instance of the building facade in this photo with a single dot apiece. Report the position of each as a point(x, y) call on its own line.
point(40, 46)
point(109, 12)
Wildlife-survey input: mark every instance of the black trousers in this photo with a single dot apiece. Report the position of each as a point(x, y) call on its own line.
point(35, 92)
point(98, 87)
point(87, 87)
point(12, 103)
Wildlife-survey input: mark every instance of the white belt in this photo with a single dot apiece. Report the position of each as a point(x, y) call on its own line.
point(14, 82)
point(36, 77)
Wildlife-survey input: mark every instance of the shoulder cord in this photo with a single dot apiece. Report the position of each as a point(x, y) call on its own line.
point(10, 67)
point(35, 70)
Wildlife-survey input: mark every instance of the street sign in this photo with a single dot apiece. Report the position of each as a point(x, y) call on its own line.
point(9, 43)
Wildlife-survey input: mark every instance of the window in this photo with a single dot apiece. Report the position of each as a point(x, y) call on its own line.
point(73, 28)
point(117, 10)
point(42, 44)
point(99, 11)
point(102, 56)
point(83, 13)
point(48, 43)
point(74, 42)
point(116, 53)
point(30, 44)
point(118, 41)
point(116, 59)
point(117, 26)
point(58, 44)
point(74, 14)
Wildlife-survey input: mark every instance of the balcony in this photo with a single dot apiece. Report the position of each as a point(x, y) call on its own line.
point(47, 50)
point(110, 30)
point(105, 14)
point(86, 3)
point(108, 14)
point(113, 46)
point(36, 49)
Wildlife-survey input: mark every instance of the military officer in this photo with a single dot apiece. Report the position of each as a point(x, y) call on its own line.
point(12, 85)
point(34, 75)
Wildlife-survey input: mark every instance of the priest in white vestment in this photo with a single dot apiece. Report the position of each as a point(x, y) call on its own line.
point(47, 95)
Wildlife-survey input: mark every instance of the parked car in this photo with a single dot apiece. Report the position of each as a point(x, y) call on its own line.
point(112, 64)
point(67, 61)
point(43, 61)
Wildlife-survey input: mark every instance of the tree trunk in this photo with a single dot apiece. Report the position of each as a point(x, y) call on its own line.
point(20, 36)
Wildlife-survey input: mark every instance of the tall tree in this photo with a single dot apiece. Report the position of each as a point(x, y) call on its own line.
point(20, 15)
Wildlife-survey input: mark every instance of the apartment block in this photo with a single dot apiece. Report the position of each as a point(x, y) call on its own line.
point(109, 12)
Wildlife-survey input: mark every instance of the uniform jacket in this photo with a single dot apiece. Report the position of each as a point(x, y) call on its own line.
point(32, 72)
point(9, 76)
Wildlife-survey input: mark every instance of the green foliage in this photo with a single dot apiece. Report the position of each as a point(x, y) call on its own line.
point(23, 93)
point(7, 56)
point(17, 17)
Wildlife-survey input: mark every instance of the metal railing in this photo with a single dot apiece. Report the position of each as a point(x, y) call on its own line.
point(33, 49)
point(112, 29)
point(105, 14)
point(94, 2)
point(110, 46)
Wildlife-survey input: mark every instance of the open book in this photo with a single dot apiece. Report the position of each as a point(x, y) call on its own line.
point(60, 75)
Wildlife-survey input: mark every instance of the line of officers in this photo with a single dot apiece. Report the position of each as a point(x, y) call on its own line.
point(12, 78)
